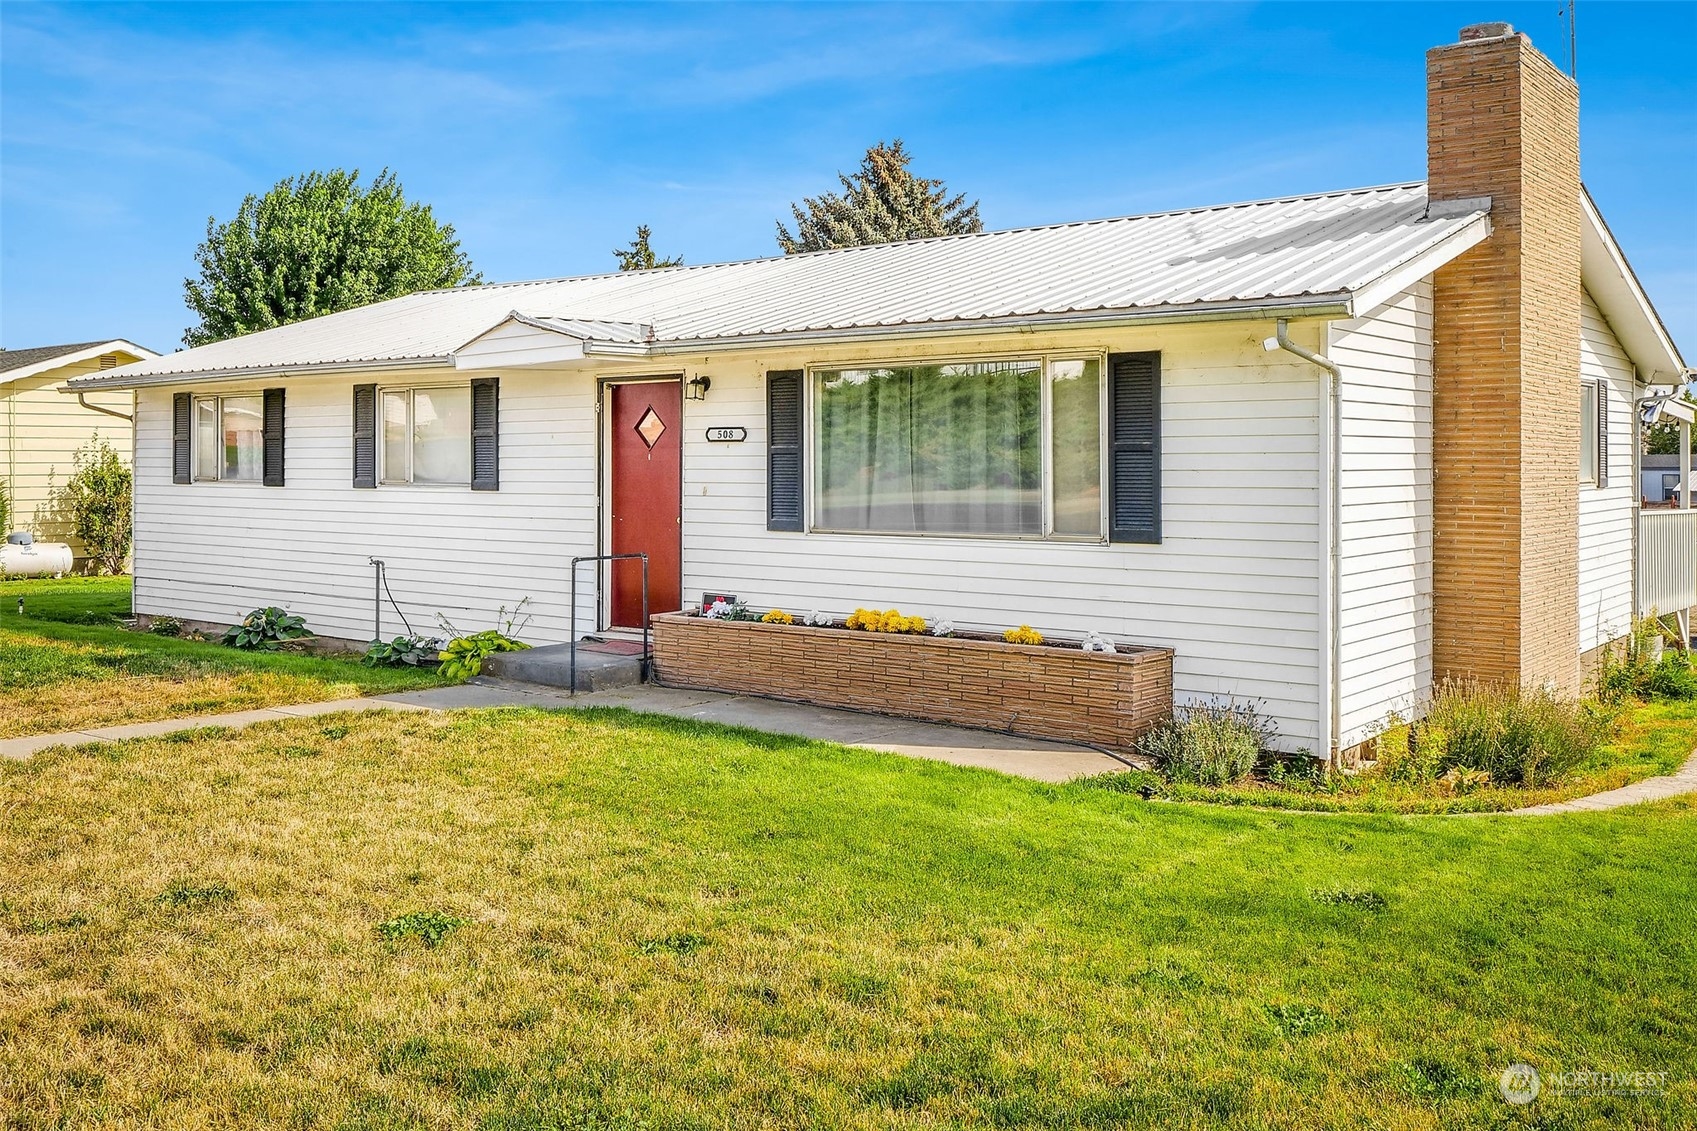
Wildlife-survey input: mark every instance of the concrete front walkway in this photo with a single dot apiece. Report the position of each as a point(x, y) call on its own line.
point(1025, 757)
point(1650, 789)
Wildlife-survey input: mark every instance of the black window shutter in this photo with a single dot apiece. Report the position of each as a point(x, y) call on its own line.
point(486, 434)
point(272, 426)
point(784, 431)
point(1134, 447)
point(1602, 433)
point(365, 435)
point(182, 430)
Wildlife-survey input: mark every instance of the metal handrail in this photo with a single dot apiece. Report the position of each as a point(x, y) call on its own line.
point(608, 558)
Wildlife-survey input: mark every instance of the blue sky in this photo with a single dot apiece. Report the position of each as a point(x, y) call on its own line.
point(545, 133)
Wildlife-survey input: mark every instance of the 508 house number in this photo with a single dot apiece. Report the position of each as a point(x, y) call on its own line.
point(735, 435)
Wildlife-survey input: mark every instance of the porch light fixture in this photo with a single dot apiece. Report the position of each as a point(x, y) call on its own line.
point(697, 388)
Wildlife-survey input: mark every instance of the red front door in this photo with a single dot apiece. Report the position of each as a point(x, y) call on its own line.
point(646, 473)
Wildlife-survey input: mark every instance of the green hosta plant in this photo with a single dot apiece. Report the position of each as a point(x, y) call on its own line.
point(265, 630)
point(464, 656)
point(410, 651)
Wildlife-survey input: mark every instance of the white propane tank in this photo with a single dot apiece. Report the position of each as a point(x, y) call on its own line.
point(23, 556)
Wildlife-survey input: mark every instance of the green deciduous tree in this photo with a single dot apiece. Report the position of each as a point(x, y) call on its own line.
point(880, 203)
point(640, 256)
point(316, 244)
point(97, 501)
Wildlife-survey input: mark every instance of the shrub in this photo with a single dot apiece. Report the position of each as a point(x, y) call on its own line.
point(464, 656)
point(5, 510)
point(1216, 742)
point(165, 626)
point(410, 651)
point(265, 630)
point(1644, 669)
point(1516, 737)
point(97, 500)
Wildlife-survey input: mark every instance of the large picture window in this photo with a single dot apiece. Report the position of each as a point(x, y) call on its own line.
point(229, 438)
point(426, 436)
point(1008, 448)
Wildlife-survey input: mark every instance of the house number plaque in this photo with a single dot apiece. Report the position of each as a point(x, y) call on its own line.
point(727, 435)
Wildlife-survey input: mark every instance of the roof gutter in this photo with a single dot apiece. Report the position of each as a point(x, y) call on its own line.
point(1341, 305)
point(117, 380)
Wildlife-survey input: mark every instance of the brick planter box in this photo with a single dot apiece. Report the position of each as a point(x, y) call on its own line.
point(1034, 690)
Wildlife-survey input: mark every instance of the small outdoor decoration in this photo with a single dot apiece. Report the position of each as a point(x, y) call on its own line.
point(777, 616)
point(736, 610)
point(1095, 642)
point(1024, 634)
point(884, 620)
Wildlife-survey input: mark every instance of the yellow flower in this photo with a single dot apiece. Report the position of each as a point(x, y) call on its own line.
point(777, 616)
point(1024, 634)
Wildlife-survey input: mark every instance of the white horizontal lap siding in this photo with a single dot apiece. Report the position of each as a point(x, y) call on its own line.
point(1605, 514)
point(1385, 634)
point(1232, 588)
point(213, 551)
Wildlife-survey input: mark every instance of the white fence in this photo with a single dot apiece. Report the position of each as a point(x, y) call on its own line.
point(1667, 560)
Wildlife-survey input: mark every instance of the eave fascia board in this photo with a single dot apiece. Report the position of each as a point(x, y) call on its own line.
point(1398, 279)
point(248, 373)
point(1669, 365)
point(1302, 306)
point(75, 356)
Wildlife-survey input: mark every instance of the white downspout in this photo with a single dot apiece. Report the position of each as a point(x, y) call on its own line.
point(1331, 578)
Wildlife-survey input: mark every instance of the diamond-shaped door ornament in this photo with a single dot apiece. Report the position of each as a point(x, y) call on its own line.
point(650, 427)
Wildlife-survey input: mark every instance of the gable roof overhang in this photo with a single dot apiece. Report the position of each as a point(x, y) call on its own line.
point(87, 351)
point(1610, 281)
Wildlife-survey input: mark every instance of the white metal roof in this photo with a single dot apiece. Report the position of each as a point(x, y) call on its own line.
point(1322, 251)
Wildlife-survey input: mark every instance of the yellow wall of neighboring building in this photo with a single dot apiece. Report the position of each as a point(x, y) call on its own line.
point(40, 432)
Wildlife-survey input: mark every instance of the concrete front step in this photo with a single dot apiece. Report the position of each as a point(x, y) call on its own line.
point(599, 667)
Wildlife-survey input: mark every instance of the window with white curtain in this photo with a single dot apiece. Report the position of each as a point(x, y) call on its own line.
point(229, 438)
point(426, 436)
point(1009, 448)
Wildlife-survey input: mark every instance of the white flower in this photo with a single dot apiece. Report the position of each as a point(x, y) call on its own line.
point(817, 619)
point(718, 610)
point(943, 628)
point(1095, 642)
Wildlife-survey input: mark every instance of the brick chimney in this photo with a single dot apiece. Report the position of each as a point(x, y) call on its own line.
point(1503, 122)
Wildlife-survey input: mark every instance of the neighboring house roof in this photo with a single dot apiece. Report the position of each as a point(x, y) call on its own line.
point(1332, 254)
point(15, 365)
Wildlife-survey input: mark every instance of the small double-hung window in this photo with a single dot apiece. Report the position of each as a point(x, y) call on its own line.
point(229, 438)
point(426, 435)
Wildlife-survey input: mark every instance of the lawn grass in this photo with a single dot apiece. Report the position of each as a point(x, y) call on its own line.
point(67, 664)
point(518, 919)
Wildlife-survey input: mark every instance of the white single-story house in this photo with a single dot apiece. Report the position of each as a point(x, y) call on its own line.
point(41, 431)
point(1269, 435)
